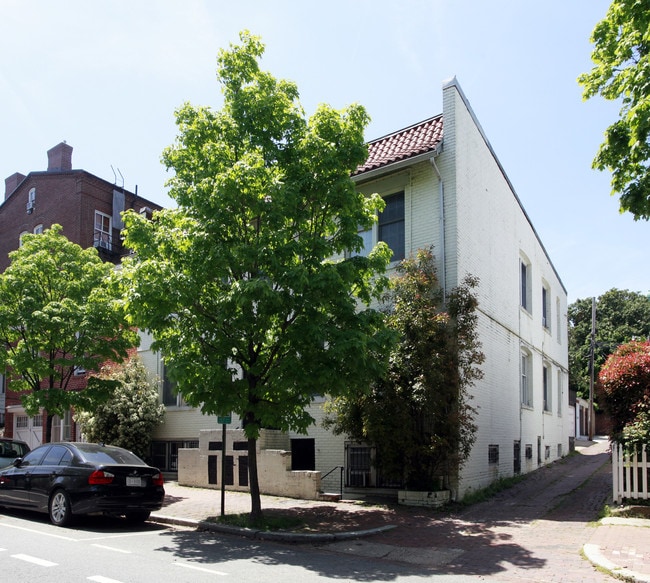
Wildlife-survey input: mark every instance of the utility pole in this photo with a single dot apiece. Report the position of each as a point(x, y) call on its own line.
point(590, 413)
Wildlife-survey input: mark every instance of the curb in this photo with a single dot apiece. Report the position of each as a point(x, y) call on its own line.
point(291, 537)
point(596, 558)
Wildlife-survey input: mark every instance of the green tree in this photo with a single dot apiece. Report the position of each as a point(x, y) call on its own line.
point(621, 316)
point(621, 58)
point(247, 285)
point(60, 312)
point(131, 414)
point(624, 385)
point(419, 416)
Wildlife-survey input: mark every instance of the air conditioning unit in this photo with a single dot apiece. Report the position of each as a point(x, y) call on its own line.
point(31, 205)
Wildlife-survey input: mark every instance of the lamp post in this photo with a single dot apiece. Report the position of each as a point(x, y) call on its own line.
point(590, 413)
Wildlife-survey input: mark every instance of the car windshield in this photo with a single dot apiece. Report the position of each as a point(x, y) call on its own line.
point(100, 454)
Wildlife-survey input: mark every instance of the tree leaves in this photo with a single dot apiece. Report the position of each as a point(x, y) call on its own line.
point(60, 312)
point(246, 285)
point(621, 71)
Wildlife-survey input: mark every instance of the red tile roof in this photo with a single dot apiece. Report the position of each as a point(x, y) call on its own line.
point(417, 139)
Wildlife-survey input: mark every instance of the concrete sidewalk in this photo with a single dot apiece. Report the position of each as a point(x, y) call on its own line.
point(537, 530)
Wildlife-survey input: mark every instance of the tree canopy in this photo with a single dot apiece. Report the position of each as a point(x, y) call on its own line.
point(248, 285)
point(621, 57)
point(131, 414)
point(624, 383)
point(61, 314)
point(419, 417)
point(621, 316)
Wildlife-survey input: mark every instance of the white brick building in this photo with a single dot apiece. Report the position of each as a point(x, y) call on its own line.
point(445, 187)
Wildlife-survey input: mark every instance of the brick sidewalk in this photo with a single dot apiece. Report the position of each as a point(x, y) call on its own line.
point(535, 531)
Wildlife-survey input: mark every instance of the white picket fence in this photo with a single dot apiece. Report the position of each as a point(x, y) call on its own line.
point(630, 473)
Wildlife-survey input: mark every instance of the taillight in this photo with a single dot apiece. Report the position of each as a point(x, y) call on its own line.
point(157, 479)
point(99, 477)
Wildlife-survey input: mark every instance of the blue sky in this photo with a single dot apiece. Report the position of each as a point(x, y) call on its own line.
point(106, 76)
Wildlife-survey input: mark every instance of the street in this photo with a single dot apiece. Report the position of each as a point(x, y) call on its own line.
point(534, 531)
point(107, 551)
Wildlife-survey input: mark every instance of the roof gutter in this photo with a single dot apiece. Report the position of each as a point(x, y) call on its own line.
point(393, 167)
point(442, 224)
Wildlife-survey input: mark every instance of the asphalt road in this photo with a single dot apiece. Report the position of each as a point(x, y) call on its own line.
point(108, 551)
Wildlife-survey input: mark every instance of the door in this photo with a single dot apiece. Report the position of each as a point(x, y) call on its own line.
point(28, 429)
point(16, 483)
point(303, 454)
point(44, 475)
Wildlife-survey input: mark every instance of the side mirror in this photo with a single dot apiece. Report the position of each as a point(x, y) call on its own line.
point(16, 463)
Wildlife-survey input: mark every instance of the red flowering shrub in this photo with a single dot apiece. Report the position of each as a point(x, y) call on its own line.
point(624, 386)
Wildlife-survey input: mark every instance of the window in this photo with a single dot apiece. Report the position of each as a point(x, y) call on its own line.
point(526, 387)
point(22, 421)
point(558, 321)
point(57, 455)
point(546, 383)
point(493, 454)
point(546, 307)
point(366, 236)
point(31, 201)
point(525, 285)
point(62, 427)
point(21, 238)
point(391, 225)
point(103, 231)
point(358, 465)
point(560, 392)
point(170, 396)
point(38, 229)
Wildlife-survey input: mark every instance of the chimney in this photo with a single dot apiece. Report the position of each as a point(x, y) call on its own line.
point(12, 182)
point(59, 158)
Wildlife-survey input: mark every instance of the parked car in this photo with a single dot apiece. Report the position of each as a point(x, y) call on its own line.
point(10, 449)
point(67, 479)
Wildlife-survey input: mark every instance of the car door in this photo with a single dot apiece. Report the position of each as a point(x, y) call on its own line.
point(48, 472)
point(15, 482)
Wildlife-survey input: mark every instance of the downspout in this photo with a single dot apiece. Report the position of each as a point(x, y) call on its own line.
point(441, 195)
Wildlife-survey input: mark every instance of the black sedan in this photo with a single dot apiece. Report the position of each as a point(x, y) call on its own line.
point(66, 479)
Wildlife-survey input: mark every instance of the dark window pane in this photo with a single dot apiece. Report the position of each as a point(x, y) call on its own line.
point(391, 225)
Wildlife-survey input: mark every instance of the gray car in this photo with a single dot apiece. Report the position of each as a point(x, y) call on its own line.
point(10, 449)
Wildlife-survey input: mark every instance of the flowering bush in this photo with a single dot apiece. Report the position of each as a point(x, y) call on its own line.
point(624, 384)
point(131, 414)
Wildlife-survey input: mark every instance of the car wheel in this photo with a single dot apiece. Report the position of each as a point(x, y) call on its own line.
point(60, 508)
point(137, 516)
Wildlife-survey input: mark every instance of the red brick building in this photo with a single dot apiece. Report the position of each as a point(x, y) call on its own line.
point(89, 210)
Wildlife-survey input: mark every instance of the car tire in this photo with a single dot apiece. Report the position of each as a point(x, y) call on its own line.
point(60, 509)
point(137, 515)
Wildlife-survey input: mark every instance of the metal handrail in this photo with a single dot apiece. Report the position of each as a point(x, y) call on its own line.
point(342, 468)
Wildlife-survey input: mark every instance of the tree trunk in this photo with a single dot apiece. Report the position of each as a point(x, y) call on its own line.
point(48, 427)
point(256, 502)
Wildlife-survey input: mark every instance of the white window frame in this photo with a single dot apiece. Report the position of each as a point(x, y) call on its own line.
point(62, 427)
point(102, 237)
point(166, 382)
point(547, 387)
point(526, 378)
point(525, 285)
point(546, 307)
point(560, 392)
point(371, 235)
